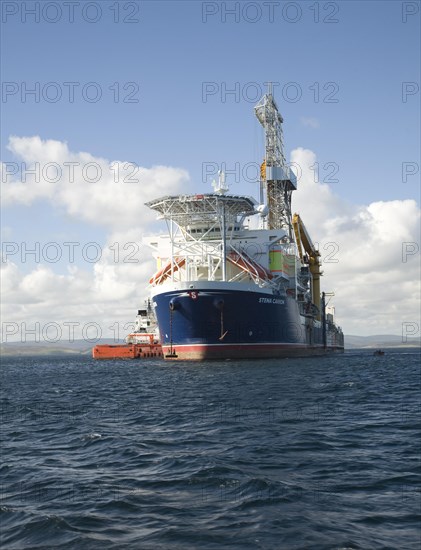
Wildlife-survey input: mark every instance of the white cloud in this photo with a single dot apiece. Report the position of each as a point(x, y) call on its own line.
point(111, 289)
point(96, 190)
point(361, 246)
point(106, 293)
point(376, 284)
point(310, 121)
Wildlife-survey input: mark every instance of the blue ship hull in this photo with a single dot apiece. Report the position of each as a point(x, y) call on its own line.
point(222, 323)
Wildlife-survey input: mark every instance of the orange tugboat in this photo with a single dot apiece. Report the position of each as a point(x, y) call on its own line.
point(142, 343)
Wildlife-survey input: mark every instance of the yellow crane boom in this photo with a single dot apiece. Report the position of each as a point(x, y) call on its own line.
point(304, 244)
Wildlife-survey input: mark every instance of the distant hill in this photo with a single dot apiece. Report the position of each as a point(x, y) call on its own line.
point(81, 347)
point(380, 341)
point(78, 347)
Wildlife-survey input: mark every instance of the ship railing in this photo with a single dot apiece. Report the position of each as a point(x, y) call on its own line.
point(188, 258)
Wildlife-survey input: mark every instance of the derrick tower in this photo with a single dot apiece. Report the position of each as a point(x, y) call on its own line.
point(276, 177)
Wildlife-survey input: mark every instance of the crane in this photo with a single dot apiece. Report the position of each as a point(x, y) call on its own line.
point(305, 244)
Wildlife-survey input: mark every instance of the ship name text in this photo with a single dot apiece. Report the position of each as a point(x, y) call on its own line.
point(271, 301)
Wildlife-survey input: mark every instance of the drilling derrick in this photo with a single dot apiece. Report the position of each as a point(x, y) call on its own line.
point(277, 178)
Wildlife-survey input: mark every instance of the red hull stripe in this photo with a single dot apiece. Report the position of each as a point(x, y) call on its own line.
point(197, 352)
point(204, 347)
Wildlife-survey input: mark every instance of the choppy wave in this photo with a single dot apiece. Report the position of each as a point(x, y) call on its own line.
point(314, 453)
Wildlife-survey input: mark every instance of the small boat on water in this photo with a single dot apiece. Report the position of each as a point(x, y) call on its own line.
point(142, 343)
point(378, 352)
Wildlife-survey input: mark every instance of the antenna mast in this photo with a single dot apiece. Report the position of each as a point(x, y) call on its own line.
point(278, 179)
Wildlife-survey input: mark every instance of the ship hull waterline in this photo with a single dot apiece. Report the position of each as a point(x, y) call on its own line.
point(240, 351)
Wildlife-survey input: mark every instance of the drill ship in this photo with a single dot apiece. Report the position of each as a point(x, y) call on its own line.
point(226, 290)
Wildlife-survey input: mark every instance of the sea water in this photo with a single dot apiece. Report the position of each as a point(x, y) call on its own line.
point(273, 454)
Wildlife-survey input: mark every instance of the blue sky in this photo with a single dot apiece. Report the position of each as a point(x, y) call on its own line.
point(172, 53)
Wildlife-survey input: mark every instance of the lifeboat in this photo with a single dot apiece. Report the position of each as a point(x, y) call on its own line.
point(165, 272)
point(245, 263)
